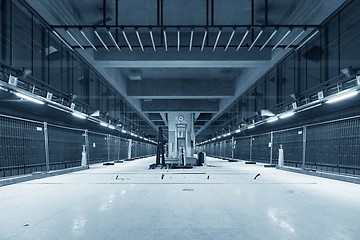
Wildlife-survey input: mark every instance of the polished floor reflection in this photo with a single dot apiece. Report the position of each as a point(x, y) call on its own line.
point(220, 201)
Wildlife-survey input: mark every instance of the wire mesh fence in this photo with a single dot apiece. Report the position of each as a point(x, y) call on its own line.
point(28, 146)
point(332, 146)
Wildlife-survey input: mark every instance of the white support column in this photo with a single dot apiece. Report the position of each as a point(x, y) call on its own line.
point(129, 148)
point(46, 139)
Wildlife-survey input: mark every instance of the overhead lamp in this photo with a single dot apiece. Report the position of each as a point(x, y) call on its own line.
point(100, 39)
point(62, 40)
point(75, 39)
point(152, 39)
point(104, 124)
point(23, 96)
point(251, 126)
point(78, 115)
point(257, 37)
point(217, 39)
point(231, 37)
point(113, 39)
point(286, 114)
point(111, 126)
point(123, 131)
point(242, 40)
point(139, 39)
point(126, 39)
point(268, 40)
point(301, 33)
point(342, 96)
point(88, 40)
point(237, 130)
point(272, 119)
point(310, 107)
point(204, 38)
point(178, 39)
point(282, 39)
point(191, 38)
point(165, 39)
point(308, 39)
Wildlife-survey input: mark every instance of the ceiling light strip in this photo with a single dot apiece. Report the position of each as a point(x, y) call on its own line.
point(178, 40)
point(268, 40)
point(231, 37)
point(191, 39)
point(87, 39)
point(204, 38)
point(126, 39)
point(242, 40)
point(301, 33)
point(287, 33)
point(152, 39)
point(113, 39)
point(139, 39)
point(73, 38)
point(308, 39)
point(62, 40)
point(100, 39)
point(257, 37)
point(217, 39)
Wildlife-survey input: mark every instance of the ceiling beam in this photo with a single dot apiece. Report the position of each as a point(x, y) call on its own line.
point(177, 105)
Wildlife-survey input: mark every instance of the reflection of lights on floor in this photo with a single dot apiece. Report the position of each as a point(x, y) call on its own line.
point(105, 205)
point(273, 215)
point(79, 223)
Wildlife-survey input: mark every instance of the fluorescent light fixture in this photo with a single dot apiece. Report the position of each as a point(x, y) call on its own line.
point(204, 38)
point(165, 39)
point(111, 126)
point(251, 126)
point(257, 37)
point(113, 39)
point(218, 137)
point(231, 37)
point(104, 124)
point(126, 39)
point(268, 40)
point(79, 115)
point(34, 100)
point(152, 39)
point(139, 39)
point(178, 40)
point(308, 39)
point(282, 39)
point(75, 40)
point(286, 114)
point(191, 39)
point(100, 39)
point(237, 130)
point(242, 40)
point(217, 39)
point(272, 119)
point(301, 33)
point(88, 40)
point(342, 96)
point(123, 131)
point(308, 108)
point(62, 40)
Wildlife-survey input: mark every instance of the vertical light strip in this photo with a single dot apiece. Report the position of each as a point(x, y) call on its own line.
point(217, 39)
point(287, 33)
point(75, 40)
point(268, 40)
point(126, 39)
point(139, 39)
point(62, 40)
point(113, 39)
point(257, 37)
point(204, 38)
point(231, 37)
point(152, 39)
point(165, 39)
point(313, 35)
point(301, 33)
point(242, 40)
point(98, 36)
point(178, 39)
point(87, 39)
point(191, 39)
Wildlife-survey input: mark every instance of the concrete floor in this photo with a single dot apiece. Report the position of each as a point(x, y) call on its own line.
point(93, 204)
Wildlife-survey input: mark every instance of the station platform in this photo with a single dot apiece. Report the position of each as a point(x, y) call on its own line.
point(223, 200)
